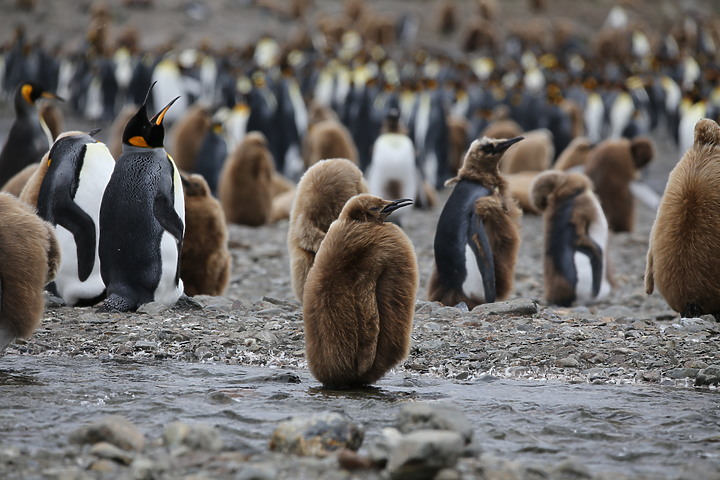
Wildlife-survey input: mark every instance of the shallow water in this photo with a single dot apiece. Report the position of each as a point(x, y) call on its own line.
point(653, 431)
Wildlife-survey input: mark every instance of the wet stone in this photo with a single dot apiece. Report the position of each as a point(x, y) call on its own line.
point(519, 306)
point(381, 447)
point(708, 376)
point(421, 454)
point(426, 416)
point(679, 373)
point(114, 429)
point(195, 436)
point(257, 472)
point(569, 361)
point(318, 435)
point(152, 308)
point(109, 451)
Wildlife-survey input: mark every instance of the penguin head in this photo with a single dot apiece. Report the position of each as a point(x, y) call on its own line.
point(30, 92)
point(707, 132)
point(369, 208)
point(483, 158)
point(143, 132)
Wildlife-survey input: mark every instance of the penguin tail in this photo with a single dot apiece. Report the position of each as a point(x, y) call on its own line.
point(115, 303)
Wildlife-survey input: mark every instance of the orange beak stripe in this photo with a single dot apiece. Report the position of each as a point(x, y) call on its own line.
point(161, 115)
point(138, 141)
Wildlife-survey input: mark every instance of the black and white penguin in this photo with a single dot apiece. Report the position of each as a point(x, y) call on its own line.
point(29, 137)
point(142, 219)
point(477, 236)
point(78, 170)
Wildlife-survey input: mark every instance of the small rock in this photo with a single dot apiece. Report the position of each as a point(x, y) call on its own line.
point(569, 361)
point(215, 303)
point(152, 308)
point(195, 436)
point(143, 469)
point(257, 472)
point(616, 311)
point(448, 312)
point(381, 447)
point(203, 353)
point(519, 306)
point(430, 416)
point(678, 373)
point(114, 429)
point(317, 435)
point(103, 466)
point(421, 454)
point(350, 460)
point(145, 345)
point(109, 451)
point(708, 376)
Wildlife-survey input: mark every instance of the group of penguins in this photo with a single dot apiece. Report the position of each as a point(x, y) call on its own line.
point(120, 227)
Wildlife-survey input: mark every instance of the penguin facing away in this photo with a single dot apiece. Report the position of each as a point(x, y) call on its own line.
point(359, 296)
point(682, 259)
point(77, 172)
point(477, 236)
point(142, 219)
point(576, 236)
point(28, 138)
point(319, 199)
point(29, 257)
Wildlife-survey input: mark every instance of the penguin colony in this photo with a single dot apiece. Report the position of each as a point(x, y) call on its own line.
point(251, 103)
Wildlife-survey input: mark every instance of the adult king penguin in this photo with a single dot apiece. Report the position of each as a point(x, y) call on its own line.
point(477, 237)
point(76, 171)
point(142, 219)
point(29, 137)
point(359, 296)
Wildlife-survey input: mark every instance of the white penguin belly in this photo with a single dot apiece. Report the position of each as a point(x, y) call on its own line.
point(167, 292)
point(598, 232)
point(584, 272)
point(473, 284)
point(393, 162)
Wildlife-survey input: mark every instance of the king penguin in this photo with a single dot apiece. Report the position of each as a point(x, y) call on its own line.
point(78, 168)
point(477, 237)
point(29, 259)
point(359, 296)
point(29, 137)
point(142, 219)
point(576, 237)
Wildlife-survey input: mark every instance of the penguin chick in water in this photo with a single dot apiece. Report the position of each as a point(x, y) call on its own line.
point(682, 259)
point(29, 138)
point(320, 196)
point(359, 296)
point(477, 237)
point(29, 257)
point(576, 236)
point(142, 219)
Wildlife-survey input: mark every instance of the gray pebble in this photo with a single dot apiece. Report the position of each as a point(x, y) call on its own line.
point(430, 416)
point(421, 454)
point(114, 429)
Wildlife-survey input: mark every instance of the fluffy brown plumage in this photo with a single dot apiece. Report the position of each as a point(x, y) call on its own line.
point(188, 135)
point(53, 117)
point(320, 196)
point(534, 154)
point(15, 185)
point(205, 260)
point(328, 139)
point(519, 189)
point(549, 194)
point(682, 260)
point(575, 154)
point(359, 297)
point(499, 215)
point(612, 166)
point(29, 258)
point(245, 189)
point(502, 128)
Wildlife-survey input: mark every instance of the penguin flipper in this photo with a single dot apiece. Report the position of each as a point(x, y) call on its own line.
point(167, 217)
point(480, 245)
point(81, 225)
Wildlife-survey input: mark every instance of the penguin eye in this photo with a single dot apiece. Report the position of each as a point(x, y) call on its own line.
point(488, 148)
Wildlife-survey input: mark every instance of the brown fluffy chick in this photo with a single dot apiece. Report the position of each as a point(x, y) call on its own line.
point(18, 181)
point(359, 296)
point(29, 258)
point(319, 198)
point(682, 261)
point(205, 260)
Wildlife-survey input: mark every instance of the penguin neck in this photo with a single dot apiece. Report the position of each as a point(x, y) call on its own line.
point(133, 149)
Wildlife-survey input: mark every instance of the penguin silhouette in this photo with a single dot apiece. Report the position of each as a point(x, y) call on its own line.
point(359, 296)
point(30, 257)
point(576, 236)
point(29, 137)
point(77, 170)
point(477, 237)
point(319, 198)
point(682, 259)
point(142, 219)
point(205, 263)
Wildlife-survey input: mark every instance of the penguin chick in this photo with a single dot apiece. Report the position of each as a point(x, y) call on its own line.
point(477, 236)
point(328, 139)
point(142, 219)
point(53, 118)
point(29, 257)
point(29, 137)
point(205, 261)
point(576, 236)
point(245, 188)
point(612, 166)
point(74, 177)
point(519, 189)
point(682, 259)
point(575, 155)
point(319, 198)
point(534, 154)
point(15, 185)
point(188, 135)
point(359, 296)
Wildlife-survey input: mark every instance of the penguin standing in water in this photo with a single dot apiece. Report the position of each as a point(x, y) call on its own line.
point(142, 219)
point(29, 256)
point(69, 195)
point(477, 237)
point(29, 137)
point(576, 236)
point(359, 296)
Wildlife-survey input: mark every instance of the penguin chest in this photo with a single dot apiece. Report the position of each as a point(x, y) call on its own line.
point(588, 270)
point(473, 284)
point(170, 287)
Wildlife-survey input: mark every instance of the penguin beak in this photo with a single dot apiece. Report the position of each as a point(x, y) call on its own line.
point(394, 205)
point(502, 146)
point(158, 118)
point(94, 132)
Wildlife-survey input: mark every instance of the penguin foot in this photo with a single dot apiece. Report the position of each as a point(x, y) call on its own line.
point(691, 310)
point(115, 303)
point(186, 303)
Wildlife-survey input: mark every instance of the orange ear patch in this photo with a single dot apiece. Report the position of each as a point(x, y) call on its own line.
point(138, 141)
point(26, 91)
